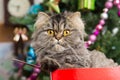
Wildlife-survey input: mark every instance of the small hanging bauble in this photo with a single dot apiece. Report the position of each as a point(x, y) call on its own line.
point(109, 4)
point(35, 73)
point(35, 9)
point(31, 57)
point(30, 60)
point(86, 4)
point(118, 6)
point(119, 13)
point(31, 53)
point(104, 16)
point(116, 2)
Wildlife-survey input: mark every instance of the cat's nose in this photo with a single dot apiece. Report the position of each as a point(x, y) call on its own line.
point(58, 36)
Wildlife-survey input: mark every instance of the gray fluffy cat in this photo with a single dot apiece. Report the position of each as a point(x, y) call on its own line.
point(58, 42)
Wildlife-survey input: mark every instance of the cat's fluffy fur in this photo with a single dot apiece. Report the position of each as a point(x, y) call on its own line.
point(69, 51)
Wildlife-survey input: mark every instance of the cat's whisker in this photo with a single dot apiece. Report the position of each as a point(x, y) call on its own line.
point(68, 40)
point(73, 50)
point(75, 53)
point(45, 42)
point(42, 47)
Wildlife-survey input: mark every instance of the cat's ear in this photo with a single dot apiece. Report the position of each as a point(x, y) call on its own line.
point(41, 19)
point(75, 15)
point(77, 21)
point(43, 15)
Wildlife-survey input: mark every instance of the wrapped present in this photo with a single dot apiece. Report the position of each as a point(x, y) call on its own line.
point(86, 4)
point(87, 74)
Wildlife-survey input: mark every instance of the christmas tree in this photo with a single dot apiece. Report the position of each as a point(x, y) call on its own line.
point(92, 11)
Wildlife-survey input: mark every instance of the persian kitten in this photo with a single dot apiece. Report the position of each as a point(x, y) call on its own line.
point(59, 43)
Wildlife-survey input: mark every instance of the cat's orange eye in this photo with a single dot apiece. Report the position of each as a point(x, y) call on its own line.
point(50, 32)
point(66, 32)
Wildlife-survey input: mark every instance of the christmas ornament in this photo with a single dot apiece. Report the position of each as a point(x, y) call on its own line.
point(115, 31)
point(23, 35)
point(17, 36)
point(31, 57)
point(35, 73)
point(86, 4)
point(119, 13)
point(20, 32)
point(36, 69)
point(35, 9)
point(104, 16)
point(20, 69)
point(117, 4)
point(31, 60)
point(54, 5)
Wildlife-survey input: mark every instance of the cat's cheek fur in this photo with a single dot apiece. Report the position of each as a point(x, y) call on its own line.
point(58, 48)
point(54, 40)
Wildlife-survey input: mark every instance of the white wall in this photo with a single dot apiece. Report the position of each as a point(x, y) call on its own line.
point(1, 12)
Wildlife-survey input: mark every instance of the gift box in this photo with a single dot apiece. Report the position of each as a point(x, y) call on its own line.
point(87, 74)
point(86, 4)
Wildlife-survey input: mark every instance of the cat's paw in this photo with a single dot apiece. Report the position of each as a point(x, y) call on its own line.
point(49, 64)
point(68, 65)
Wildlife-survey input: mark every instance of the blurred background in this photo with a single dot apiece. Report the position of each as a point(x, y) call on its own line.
point(17, 18)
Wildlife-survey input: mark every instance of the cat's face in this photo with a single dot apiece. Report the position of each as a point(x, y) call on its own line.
point(57, 33)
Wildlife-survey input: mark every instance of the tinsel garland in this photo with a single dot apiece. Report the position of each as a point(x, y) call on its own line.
point(104, 16)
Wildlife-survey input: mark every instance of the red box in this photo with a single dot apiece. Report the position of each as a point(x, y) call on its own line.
point(87, 74)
